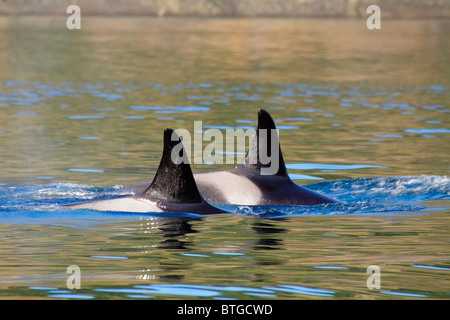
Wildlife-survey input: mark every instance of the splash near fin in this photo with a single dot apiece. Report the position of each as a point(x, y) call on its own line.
point(173, 181)
point(261, 146)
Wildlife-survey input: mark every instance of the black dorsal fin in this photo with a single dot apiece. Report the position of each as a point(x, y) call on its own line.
point(265, 121)
point(173, 182)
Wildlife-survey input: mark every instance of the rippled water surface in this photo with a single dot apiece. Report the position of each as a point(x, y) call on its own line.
point(363, 117)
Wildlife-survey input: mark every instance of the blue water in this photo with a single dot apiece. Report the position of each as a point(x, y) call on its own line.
point(364, 196)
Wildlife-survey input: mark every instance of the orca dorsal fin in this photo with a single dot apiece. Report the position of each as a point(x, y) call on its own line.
point(173, 182)
point(252, 158)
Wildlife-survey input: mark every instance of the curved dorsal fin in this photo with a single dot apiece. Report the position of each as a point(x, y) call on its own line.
point(173, 182)
point(252, 159)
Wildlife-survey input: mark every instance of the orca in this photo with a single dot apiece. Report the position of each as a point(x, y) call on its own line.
point(173, 189)
point(245, 185)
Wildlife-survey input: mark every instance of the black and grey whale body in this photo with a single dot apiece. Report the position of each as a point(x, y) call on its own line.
point(173, 189)
point(245, 185)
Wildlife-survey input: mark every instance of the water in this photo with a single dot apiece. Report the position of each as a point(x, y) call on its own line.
point(363, 117)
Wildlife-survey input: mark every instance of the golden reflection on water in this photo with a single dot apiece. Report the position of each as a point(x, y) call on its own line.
point(330, 253)
point(239, 50)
